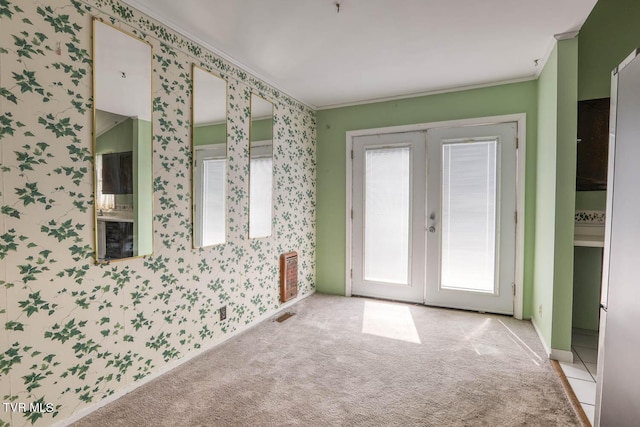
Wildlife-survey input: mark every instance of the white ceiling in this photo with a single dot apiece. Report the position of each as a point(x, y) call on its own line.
point(375, 49)
point(209, 98)
point(122, 72)
point(105, 121)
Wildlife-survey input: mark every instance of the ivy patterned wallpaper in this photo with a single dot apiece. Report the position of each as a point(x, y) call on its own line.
point(75, 332)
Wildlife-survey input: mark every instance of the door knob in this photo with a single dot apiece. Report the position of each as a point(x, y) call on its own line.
point(432, 229)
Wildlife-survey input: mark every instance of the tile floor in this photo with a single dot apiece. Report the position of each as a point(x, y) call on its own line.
point(582, 372)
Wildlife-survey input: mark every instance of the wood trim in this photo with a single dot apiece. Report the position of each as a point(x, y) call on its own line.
point(571, 396)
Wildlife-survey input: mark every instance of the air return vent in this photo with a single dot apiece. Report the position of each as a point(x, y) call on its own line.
point(284, 317)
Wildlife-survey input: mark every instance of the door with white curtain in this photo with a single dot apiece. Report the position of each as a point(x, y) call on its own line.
point(388, 216)
point(471, 217)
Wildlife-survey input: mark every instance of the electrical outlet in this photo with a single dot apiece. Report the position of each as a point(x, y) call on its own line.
point(223, 312)
point(540, 310)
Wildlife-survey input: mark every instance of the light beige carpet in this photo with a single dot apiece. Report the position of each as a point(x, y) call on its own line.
point(358, 362)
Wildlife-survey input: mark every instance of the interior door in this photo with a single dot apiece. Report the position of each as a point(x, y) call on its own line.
point(471, 206)
point(388, 216)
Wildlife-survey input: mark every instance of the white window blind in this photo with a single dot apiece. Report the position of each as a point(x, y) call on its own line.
point(469, 203)
point(387, 208)
point(213, 198)
point(260, 197)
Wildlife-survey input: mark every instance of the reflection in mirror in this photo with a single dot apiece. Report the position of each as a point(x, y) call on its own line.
point(123, 173)
point(209, 158)
point(260, 167)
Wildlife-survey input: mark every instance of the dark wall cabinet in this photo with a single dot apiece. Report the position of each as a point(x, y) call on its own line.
point(593, 144)
point(118, 239)
point(117, 173)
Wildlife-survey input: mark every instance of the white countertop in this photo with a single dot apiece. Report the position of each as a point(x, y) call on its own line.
point(589, 235)
point(118, 216)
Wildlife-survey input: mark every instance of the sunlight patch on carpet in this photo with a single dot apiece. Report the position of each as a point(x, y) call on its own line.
point(389, 321)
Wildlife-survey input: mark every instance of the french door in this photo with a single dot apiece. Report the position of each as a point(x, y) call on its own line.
point(388, 216)
point(471, 207)
point(434, 217)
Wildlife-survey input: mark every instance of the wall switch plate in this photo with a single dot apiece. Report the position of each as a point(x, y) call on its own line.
point(223, 312)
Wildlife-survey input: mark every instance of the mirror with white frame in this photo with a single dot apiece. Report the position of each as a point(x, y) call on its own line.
point(260, 167)
point(123, 153)
point(209, 158)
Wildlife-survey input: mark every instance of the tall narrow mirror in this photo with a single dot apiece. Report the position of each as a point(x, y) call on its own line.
point(209, 158)
point(260, 167)
point(123, 172)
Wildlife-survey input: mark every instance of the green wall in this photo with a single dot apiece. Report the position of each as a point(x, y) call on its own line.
point(261, 130)
point(331, 151)
point(610, 34)
point(210, 134)
point(586, 288)
point(565, 193)
point(555, 196)
point(118, 139)
point(143, 206)
point(591, 200)
point(545, 202)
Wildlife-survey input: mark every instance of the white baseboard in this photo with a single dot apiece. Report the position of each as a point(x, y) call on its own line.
point(552, 353)
point(172, 365)
point(541, 337)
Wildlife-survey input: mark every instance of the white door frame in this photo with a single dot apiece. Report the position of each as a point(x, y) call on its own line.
point(519, 118)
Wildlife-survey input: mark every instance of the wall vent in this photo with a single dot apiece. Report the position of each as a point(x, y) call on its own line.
point(288, 276)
